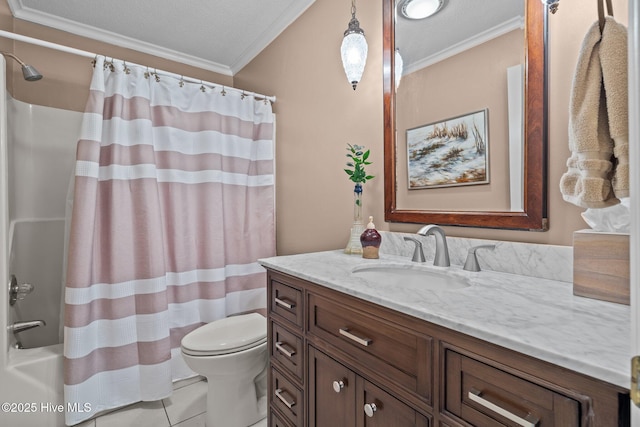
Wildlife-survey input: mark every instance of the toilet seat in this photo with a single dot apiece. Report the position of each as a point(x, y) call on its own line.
point(229, 335)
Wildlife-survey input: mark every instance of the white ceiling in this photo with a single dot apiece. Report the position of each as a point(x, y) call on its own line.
point(459, 25)
point(218, 35)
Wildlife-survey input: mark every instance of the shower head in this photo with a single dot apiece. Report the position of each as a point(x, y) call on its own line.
point(28, 71)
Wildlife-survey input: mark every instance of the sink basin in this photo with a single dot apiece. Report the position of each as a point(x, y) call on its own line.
point(409, 276)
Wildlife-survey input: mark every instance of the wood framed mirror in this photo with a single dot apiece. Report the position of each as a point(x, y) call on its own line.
point(531, 210)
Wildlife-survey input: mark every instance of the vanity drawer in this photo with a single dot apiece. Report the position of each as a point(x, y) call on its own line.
point(287, 398)
point(486, 396)
point(276, 421)
point(382, 347)
point(287, 349)
point(285, 301)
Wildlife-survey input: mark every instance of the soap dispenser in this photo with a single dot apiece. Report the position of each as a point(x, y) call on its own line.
point(370, 240)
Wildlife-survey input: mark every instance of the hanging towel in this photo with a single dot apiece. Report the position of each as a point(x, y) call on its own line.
point(613, 56)
point(598, 120)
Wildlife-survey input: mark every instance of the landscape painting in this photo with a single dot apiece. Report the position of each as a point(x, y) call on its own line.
point(449, 152)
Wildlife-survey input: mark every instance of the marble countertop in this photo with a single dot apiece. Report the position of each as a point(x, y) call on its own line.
point(538, 317)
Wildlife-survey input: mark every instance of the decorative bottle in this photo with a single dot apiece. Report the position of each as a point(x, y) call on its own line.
point(354, 247)
point(370, 240)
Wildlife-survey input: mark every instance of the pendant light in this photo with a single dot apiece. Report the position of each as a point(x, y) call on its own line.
point(354, 49)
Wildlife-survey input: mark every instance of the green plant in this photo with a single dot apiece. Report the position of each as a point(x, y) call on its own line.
point(358, 162)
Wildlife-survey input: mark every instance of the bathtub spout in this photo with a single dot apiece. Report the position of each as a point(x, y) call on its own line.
point(23, 326)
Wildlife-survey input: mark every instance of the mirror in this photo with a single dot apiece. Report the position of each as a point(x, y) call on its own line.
point(500, 182)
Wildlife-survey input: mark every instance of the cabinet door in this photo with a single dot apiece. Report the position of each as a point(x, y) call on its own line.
point(332, 392)
point(378, 408)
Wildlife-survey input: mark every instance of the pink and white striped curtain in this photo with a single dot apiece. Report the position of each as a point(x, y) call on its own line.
point(173, 205)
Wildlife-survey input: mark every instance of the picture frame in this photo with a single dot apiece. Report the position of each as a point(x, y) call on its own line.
point(450, 152)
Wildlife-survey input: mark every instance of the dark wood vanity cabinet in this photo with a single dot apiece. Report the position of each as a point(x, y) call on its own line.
point(336, 360)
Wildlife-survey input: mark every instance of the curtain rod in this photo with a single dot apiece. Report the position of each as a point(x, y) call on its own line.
point(86, 54)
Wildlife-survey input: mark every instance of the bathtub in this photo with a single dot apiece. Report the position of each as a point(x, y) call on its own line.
point(37, 151)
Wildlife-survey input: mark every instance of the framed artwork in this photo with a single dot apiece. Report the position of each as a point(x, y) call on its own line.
point(449, 152)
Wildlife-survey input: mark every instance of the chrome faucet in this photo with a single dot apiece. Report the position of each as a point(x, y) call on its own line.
point(418, 253)
point(441, 258)
point(471, 264)
point(23, 326)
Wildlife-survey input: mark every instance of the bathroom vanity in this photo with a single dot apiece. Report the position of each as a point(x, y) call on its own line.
point(507, 350)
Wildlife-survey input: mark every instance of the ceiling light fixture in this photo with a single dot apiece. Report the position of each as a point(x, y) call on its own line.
point(419, 9)
point(354, 49)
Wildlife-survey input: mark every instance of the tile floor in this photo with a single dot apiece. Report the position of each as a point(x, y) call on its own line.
point(185, 408)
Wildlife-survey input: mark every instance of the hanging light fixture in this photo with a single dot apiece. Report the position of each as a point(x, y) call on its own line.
point(397, 71)
point(354, 49)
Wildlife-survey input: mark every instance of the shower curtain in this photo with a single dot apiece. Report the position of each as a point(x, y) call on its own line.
point(173, 205)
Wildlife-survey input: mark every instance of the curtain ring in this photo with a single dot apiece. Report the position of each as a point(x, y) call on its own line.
point(202, 88)
point(181, 82)
point(243, 95)
point(155, 73)
point(94, 61)
point(223, 92)
point(126, 69)
point(147, 74)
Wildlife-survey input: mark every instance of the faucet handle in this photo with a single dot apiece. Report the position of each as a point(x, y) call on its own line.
point(471, 264)
point(418, 253)
point(18, 292)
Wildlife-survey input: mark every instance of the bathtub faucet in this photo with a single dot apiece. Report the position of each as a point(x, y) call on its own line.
point(23, 326)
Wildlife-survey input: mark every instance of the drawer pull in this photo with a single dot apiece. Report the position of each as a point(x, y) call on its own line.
point(370, 409)
point(280, 395)
point(531, 421)
point(282, 349)
point(284, 303)
point(338, 386)
point(362, 341)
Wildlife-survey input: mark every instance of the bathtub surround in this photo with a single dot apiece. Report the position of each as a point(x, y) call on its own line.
point(173, 205)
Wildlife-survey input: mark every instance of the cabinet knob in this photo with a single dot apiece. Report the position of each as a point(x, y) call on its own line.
point(338, 386)
point(370, 409)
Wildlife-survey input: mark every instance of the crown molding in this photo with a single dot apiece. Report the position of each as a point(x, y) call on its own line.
point(27, 14)
point(471, 42)
point(265, 39)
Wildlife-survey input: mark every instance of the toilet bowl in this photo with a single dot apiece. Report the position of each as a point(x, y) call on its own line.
point(232, 354)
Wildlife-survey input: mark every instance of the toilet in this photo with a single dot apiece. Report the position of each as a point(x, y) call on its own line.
point(232, 354)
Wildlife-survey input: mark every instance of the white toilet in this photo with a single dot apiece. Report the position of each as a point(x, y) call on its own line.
point(232, 354)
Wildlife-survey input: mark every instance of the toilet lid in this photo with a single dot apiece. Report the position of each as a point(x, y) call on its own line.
point(228, 335)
